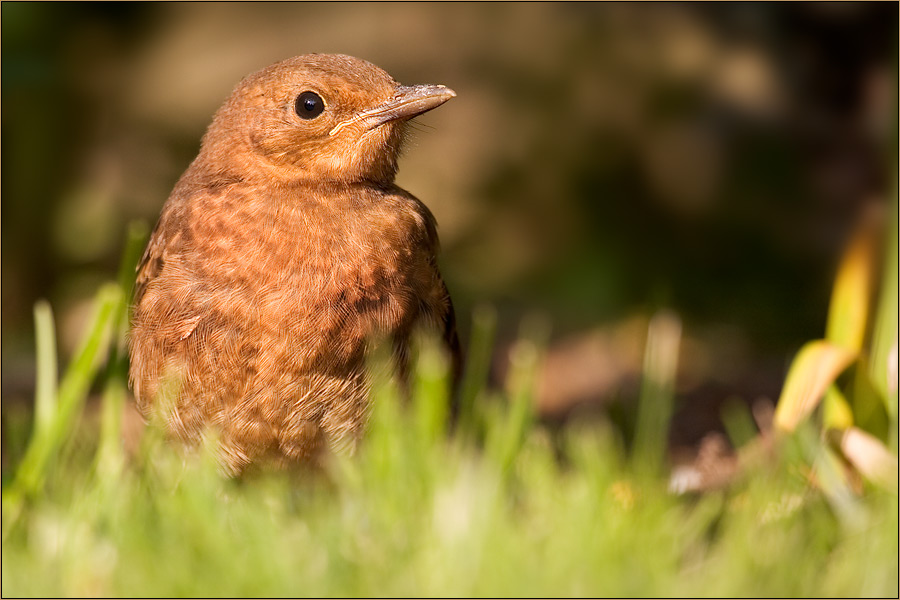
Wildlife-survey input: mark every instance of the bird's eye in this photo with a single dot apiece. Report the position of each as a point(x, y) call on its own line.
point(309, 105)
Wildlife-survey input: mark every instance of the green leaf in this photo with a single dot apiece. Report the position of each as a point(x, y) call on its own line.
point(836, 413)
point(869, 407)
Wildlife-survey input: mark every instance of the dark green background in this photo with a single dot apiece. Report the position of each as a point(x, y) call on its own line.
point(601, 161)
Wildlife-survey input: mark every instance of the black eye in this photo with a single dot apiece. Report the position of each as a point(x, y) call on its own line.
point(309, 105)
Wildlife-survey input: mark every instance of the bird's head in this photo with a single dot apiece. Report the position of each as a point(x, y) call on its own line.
point(318, 117)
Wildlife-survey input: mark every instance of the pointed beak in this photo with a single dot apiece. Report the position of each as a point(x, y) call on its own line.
point(407, 102)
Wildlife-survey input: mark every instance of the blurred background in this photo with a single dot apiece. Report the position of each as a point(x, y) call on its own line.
point(601, 162)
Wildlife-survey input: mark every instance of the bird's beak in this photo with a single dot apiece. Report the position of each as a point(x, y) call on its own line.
point(407, 102)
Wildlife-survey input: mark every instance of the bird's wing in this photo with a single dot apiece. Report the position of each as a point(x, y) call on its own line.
point(156, 252)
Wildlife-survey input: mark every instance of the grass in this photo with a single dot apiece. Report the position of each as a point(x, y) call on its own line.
point(497, 507)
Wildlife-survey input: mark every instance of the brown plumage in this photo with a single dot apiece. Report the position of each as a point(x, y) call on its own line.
point(284, 250)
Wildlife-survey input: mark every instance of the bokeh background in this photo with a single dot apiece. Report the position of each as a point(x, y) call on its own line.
point(600, 163)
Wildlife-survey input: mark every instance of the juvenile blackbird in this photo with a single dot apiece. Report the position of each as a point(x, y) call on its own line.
point(284, 250)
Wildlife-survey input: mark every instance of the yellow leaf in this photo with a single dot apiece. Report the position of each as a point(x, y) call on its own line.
point(815, 368)
point(848, 311)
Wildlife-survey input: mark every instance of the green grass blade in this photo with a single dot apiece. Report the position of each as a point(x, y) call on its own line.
point(524, 358)
point(72, 394)
point(74, 386)
point(657, 392)
point(110, 457)
point(478, 363)
point(135, 240)
point(431, 393)
point(46, 380)
point(831, 477)
point(738, 422)
point(883, 364)
point(836, 411)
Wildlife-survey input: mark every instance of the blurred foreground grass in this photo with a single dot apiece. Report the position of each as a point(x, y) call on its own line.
point(497, 507)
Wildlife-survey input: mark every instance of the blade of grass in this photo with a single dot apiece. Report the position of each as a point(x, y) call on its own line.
point(478, 362)
point(830, 474)
point(135, 239)
point(431, 394)
point(45, 408)
point(867, 403)
point(883, 365)
point(836, 411)
point(738, 422)
point(524, 357)
point(72, 394)
point(110, 458)
point(657, 390)
point(81, 372)
point(46, 376)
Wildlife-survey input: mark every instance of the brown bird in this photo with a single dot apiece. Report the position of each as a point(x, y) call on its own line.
point(284, 250)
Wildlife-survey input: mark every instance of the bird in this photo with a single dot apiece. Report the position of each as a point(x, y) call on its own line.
point(284, 254)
